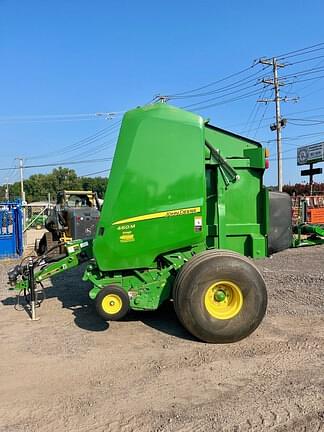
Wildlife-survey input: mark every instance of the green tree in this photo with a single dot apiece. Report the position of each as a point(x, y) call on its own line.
point(64, 179)
point(38, 186)
point(96, 184)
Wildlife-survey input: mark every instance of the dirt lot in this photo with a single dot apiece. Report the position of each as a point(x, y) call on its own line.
point(70, 371)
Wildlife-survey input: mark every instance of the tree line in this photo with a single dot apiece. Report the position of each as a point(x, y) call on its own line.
point(38, 186)
point(304, 189)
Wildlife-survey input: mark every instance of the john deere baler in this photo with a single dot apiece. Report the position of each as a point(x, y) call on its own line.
point(184, 207)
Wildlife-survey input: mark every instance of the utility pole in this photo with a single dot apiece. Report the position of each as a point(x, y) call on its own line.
point(7, 190)
point(22, 194)
point(21, 167)
point(280, 122)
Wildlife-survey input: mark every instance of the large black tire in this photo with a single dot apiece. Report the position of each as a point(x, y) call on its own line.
point(112, 303)
point(231, 274)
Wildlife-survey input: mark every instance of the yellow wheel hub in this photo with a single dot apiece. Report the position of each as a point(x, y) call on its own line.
point(111, 304)
point(223, 300)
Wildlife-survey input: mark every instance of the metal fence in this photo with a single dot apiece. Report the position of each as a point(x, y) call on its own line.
point(36, 215)
point(309, 209)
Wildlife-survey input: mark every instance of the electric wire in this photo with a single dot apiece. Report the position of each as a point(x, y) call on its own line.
point(230, 86)
point(67, 163)
point(60, 117)
point(99, 148)
point(303, 72)
point(58, 164)
point(96, 172)
point(254, 112)
point(201, 106)
point(272, 117)
point(90, 139)
point(308, 79)
point(261, 119)
point(301, 51)
point(10, 174)
point(211, 83)
point(297, 137)
point(222, 96)
point(305, 60)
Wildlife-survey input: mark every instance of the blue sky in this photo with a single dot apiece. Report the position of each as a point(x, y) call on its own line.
point(74, 57)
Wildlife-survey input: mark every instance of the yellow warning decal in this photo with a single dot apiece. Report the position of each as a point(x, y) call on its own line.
point(169, 213)
point(127, 237)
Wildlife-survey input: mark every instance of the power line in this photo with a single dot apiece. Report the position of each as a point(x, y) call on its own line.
point(306, 111)
point(97, 148)
point(305, 60)
point(102, 133)
point(60, 117)
point(302, 72)
point(11, 171)
point(305, 122)
point(68, 163)
point(253, 115)
point(230, 86)
point(261, 119)
point(97, 172)
point(241, 97)
point(103, 146)
point(270, 118)
point(222, 96)
point(296, 52)
point(87, 140)
point(211, 83)
point(309, 79)
point(297, 137)
point(306, 119)
point(60, 163)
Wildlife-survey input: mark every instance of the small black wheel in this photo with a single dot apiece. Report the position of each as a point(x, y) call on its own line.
point(220, 296)
point(112, 303)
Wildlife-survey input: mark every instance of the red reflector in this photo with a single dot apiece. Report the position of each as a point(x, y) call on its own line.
point(267, 164)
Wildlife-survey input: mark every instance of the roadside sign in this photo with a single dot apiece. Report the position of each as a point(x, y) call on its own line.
point(310, 154)
point(310, 172)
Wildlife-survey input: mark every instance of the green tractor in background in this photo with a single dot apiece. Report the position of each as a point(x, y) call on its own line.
point(74, 216)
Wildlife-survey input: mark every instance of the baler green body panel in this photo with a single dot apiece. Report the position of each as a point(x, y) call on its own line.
point(237, 214)
point(167, 192)
point(156, 194)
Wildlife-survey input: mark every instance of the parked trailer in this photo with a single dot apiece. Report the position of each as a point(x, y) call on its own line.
point(184, 207)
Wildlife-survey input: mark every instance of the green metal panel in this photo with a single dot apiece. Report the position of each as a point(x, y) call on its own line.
point(237, 213)
point(155, 199)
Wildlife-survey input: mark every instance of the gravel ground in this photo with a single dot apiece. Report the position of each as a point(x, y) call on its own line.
point(72, 372)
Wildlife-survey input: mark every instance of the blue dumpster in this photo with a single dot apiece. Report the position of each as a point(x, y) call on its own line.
point(11, 229)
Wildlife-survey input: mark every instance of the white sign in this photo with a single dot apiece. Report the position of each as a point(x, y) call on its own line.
point(310, 154)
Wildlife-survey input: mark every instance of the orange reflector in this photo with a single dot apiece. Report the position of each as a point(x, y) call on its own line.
point(266, 152)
